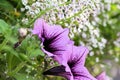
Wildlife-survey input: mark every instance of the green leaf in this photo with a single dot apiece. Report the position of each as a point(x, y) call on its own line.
point(3, 26)
point(9, 58)
point(20, 76)
point(36, 53)
point(5, 29)
point(24, 44)
point(13, 39)
point(24, 57)
point(12, 61)
point(5, 5)
point(10, 50)
point(18, 68)
point(3, 44)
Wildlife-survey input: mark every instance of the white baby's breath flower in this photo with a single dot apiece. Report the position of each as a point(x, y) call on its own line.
point(91, 53)
point(25, 20)
point(84, 28)
point(90, 48)
point(81, 26)
point(22, 9)
point(71, 35)
point(84, 35)
point(74, 30)
point(24, 2)
point(97, 59)
point(79, 30)
point(81, 43)
point(103, 40)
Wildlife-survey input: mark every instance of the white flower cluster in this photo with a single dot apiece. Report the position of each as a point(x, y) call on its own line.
point(37, 6)
point(79, 10)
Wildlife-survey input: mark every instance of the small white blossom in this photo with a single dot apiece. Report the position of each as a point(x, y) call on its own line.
point(25, 20)
point(22, 9)
point(97, 59)
point(84, 35)
point(84, 28)
point(91, 53)
point(79, 30)
point(24, 2)
point(71, 35)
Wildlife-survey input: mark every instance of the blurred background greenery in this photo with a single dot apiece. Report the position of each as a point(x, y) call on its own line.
point(20, 54)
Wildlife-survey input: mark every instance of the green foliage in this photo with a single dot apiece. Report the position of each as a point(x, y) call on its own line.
point(16, 59)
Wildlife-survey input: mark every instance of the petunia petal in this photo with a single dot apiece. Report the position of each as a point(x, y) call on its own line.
point(38, 27)
point(76, 62)
point(78, 55)
point(81, 73)
point(59, 71)
point(56, 42)
point(101, 76)
point(55, 71)
point(62, 59)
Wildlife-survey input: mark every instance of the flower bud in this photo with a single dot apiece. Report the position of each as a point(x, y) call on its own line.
point(23, 32)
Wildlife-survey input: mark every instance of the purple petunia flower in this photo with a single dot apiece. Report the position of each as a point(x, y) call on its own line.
point(54, 38)
point(57, 45)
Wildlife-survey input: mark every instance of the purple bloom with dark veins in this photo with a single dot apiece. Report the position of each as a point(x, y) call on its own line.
point(57, 45)
point(54, 38)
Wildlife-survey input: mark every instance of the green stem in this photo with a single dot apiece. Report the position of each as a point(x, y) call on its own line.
point(18, 68)
point(7, 15)
point(45, 67)
point(3, 44)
